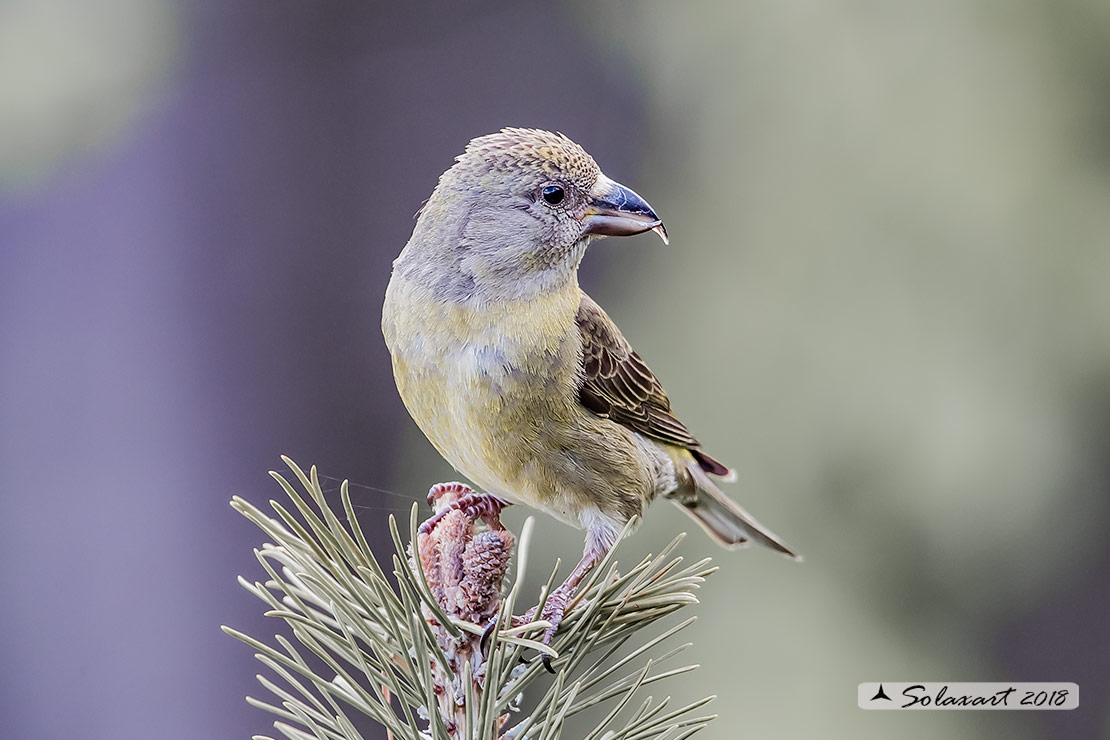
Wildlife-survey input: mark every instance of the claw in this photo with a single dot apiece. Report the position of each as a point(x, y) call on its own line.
point(476, 505)
point(553, 611)
point(439, 489)
point(487, 633)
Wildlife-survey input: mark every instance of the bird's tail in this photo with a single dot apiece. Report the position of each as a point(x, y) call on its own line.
point(721, 517)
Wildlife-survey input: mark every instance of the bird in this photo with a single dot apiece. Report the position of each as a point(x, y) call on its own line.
point(517, 377)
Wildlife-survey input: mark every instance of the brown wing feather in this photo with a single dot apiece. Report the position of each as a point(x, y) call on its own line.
point(618, 385)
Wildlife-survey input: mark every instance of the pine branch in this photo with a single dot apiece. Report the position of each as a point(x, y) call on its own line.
point(405, 647)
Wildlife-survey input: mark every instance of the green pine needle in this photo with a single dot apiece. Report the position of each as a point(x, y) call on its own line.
point(373, 651)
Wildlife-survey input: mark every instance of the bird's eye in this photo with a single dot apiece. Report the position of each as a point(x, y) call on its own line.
point(553, 194)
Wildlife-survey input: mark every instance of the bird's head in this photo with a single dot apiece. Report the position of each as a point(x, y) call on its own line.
point(515, 213)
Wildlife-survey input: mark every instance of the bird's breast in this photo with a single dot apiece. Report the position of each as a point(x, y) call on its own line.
point(482, 379)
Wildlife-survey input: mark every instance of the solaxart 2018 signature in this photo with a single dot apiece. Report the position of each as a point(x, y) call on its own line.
point(917, 694)
point(967, 695)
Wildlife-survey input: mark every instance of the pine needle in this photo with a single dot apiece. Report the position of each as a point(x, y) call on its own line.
point(388, 649)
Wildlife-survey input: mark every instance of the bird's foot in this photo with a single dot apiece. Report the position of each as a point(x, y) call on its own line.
point(447, 497)
point(554, 609)
point(552, 612)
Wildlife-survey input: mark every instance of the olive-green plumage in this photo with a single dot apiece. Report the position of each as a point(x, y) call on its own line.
point(518, 378)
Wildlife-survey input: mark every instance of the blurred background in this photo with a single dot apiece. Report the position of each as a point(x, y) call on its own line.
point(888, 306)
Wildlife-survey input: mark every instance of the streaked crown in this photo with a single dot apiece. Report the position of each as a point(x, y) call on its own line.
point(532, 151)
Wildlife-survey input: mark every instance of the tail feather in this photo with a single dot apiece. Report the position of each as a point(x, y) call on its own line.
point(722, 518)
point(713, 467)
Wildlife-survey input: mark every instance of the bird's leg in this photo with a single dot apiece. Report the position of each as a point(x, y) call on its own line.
point(599, 540)
point(557, 602)
point(556, 605)
point(445, 497)
point(554, 608)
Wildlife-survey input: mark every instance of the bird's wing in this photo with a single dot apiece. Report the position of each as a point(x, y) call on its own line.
point(618, 385)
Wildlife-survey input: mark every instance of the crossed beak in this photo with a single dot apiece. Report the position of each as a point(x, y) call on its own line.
point(615, 210)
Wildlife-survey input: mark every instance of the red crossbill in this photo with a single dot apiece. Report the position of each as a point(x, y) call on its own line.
point(516, 376)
